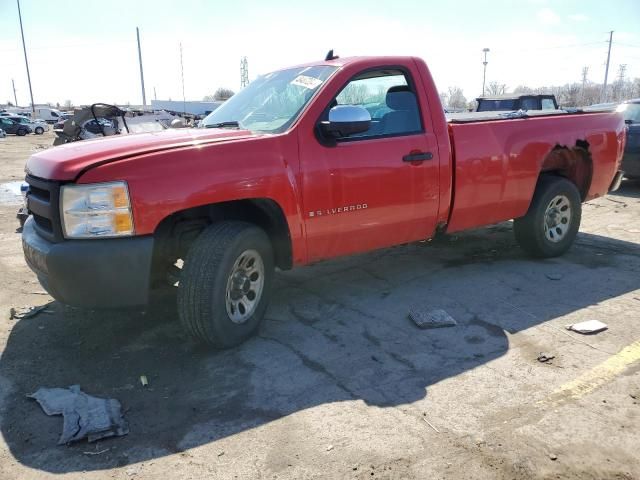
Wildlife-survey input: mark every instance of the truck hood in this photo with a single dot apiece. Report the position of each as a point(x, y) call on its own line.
point(67, 162)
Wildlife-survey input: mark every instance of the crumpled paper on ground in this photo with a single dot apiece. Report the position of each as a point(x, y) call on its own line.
point(84, 415)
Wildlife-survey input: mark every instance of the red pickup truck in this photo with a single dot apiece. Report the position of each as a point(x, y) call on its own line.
point(305, 164)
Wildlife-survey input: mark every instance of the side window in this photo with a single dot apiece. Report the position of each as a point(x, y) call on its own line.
point(389, 99)
point(547, 104)
point(529, 104)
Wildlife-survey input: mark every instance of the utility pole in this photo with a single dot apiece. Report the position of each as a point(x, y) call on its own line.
point(15, 97)
point(484, 75)
point(144, 96)
point(603, 97)
point(184, 102)
point(585, 72)
point(244, 72)
point(26, 62)
point(154, 94)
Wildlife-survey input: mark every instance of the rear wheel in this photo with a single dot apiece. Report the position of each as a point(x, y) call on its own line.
point(225, 283)
point(553, 219)
point(39, 130)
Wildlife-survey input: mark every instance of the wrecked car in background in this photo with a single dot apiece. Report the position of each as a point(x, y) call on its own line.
point(103, 120)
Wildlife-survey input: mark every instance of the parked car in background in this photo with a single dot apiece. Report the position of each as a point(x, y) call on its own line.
point(13, 127)
point(37, 127)
point(40, 123)
point(59, 125)
point(631, 160)
point(516, 102)
point(49, 115)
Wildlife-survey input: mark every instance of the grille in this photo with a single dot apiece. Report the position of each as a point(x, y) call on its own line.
point(43, 200)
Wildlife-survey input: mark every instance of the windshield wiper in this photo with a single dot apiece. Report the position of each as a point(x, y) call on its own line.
point(230, 123)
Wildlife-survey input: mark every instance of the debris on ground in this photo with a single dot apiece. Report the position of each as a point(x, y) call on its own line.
point(143, 380)
point(97, 452)
point(424, 415)
point(544, 358)
point(329, 448)
point(553, 456)
point(554, 276)
point(20, 313)
point(84, 416)
point(590, 326)
point(431, 319)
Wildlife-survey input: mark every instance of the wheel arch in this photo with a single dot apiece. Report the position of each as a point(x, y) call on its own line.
point(573, 163)
point(175, 233)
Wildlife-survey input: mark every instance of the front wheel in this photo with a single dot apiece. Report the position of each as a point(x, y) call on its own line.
point(225, 283)
point(553, 219)
point(21, 133)
point(39, 130)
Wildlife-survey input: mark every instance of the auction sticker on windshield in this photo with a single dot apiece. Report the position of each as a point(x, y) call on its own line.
point(306, 82)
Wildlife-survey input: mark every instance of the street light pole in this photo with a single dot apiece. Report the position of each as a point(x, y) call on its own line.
point(26, 62)
point(484, 75)
point(15, 97)
point(144, 96)
point(603, 96)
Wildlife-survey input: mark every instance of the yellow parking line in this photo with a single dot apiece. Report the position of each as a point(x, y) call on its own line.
point(598, 375)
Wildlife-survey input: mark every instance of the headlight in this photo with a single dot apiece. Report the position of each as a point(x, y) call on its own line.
point(97, 210)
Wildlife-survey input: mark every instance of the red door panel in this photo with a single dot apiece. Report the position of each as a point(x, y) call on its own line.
point(360, 195)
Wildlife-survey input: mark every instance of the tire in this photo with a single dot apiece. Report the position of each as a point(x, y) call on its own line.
point(21, 132)
point(553, 219)
point(39, 130)
point(208, 302)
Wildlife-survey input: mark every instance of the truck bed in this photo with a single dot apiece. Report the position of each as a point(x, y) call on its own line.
point(469, 117)
point(497, 160)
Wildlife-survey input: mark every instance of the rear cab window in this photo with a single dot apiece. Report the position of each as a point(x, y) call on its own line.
point(548, 104)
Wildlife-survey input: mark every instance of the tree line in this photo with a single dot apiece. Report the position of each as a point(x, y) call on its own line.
point(577, 94)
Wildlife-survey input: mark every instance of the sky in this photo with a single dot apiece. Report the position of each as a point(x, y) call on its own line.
point(85, 50)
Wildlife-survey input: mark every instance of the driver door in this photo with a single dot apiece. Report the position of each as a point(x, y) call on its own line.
point(364, 191)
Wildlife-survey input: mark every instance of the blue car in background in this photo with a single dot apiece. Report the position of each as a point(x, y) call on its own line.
point(631, 159)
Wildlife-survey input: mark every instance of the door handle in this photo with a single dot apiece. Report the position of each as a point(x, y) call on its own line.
point(417, 157)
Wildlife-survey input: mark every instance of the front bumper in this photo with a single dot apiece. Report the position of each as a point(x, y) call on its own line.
point(96, 273)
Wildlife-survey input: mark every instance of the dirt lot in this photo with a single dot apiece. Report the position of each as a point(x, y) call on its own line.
point(339, 383)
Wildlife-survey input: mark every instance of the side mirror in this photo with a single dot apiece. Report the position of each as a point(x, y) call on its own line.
point(345, 120)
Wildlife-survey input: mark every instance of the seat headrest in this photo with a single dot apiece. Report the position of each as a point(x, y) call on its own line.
point(400, 97)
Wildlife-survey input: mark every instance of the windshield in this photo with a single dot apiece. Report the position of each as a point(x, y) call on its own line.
point(272, 102)
point(630, 112)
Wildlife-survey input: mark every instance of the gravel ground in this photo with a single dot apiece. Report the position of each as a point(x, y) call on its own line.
point(339, 383)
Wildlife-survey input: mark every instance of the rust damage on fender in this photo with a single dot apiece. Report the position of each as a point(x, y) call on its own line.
point(574, 163)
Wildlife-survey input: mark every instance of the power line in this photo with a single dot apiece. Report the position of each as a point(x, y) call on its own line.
point(555, 47)
point(627, 45)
